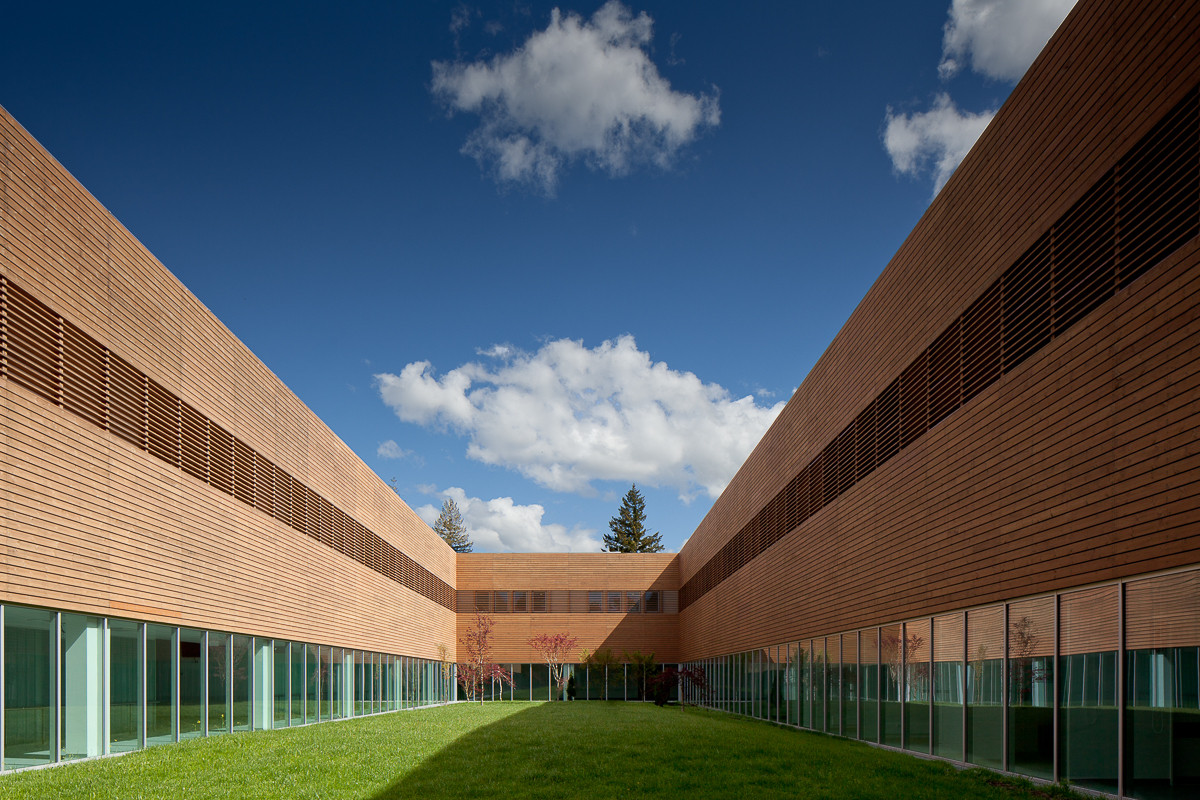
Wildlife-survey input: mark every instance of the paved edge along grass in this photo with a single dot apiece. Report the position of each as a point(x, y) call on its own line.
point(508, 750)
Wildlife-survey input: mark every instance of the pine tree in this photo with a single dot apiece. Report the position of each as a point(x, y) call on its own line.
point(629, 534)
point(450, 527)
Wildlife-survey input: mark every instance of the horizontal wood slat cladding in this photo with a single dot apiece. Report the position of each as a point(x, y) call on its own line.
point(1056, 280)
point(1065, 275)
point(562, 577)
point(133, 365)
point(161, 431)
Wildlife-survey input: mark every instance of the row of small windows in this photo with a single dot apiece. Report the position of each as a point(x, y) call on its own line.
point(78, 686)
point(1138, 213)
point(44, 352)
point(1058, 688)
point(567, 601)
point(590, 682)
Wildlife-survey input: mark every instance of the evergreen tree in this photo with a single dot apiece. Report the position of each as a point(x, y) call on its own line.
point(629, 534)
point(450, 527)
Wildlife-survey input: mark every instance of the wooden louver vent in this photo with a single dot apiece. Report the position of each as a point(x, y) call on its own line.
point(1141, 210)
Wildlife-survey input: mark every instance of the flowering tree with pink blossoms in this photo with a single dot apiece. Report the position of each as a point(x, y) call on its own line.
point(555, 648)
point(478, 670)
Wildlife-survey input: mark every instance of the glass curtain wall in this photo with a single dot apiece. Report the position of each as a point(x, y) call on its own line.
point(161, 677)
point(218, 683)
point(191, 683)
point(29, 686)
point(1097, 687)
point(282, 685)
point(239, 679)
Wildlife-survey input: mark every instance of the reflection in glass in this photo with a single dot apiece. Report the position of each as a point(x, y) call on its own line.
point(869, 685)
point(1162, 677)
point(161, 657)
point(28, 686)
point(240, 679)
point(833, 683)
point(818, 684)
point(311, 680)
point(804, 684)
point(191, 683)
point(849, 683)
point(297, 683)
point(1031, 687)
point(1087, 662)
point(282, 688)
point(916, 685)
point(985, 692)
point(539, 677)
point(124, 686)
point(948, 671)
point(892, 666)
point(218, 683)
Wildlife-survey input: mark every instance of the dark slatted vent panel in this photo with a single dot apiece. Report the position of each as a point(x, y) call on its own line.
point(3, 327)
point(981, 351)
point(865, 443)
point(126, 401)
point(220, 458)
point(326, 530)
point(1027, 304)
point(83, 375)
point(914, 400)
point(193, 440)
point(163, 416)
point(1160, 191)
point(847, 454)
point(1085, 255)
point(283, 496)
point(32, 331)
point(243, 471)
point(945, 380)
point(264, 485)
point(887, 423)
point(1136, 214)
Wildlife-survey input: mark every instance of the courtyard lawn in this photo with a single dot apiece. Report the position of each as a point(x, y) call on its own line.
point(519, 750)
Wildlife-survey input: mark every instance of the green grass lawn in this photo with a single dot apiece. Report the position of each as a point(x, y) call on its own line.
point(518, 750)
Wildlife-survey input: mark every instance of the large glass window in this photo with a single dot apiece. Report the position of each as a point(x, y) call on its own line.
point(337, 676)
point(849, 684)
point(947, 686)
point(869, 685)
point(818, 684)
point(161, 662)
point(892, 666)
point(1031, 687)
point(219, 716)
point(916, 685)
point(311, 681)
point(191, 683)
point(1087, 724)
point(985, 694)
point(297, 684)
point(325, 683)
point(124, 686)
point(1162, 677)
point(81, 719)
point(282, 687)
point(29, 644)
point(539, 678)
point(264, 675)
point(240, 679)
point(791, 681)
point(804, 685)
point(833, 684)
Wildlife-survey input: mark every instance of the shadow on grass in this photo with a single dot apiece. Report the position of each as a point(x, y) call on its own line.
point(602, 750)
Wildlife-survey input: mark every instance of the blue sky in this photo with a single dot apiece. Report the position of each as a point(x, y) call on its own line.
point(520, 257)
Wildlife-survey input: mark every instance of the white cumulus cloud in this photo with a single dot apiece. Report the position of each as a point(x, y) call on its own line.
point(999, 38)
point(390, 449)
point(578, 90)
point(569, 415)
point(501, 526)
point(938, 138)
